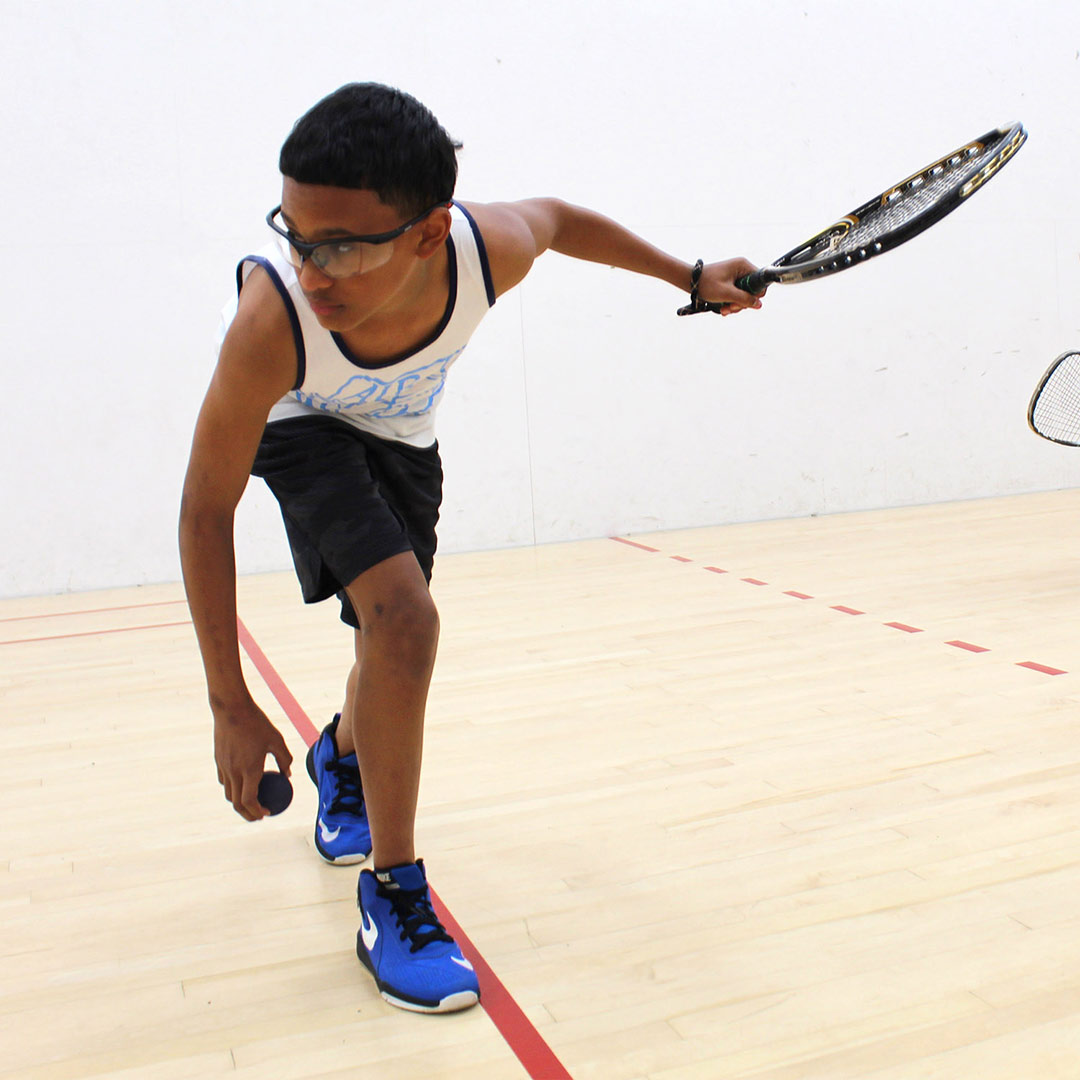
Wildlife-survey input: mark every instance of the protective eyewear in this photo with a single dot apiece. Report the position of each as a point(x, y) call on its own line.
point(341, 256)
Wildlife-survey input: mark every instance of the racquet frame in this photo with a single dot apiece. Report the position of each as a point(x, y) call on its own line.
point(972, 169)
point(1043, 382)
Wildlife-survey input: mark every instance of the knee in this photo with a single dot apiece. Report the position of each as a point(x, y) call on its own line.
point(405, 621)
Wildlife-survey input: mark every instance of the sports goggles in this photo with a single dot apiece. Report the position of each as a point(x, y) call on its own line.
point(341, 256)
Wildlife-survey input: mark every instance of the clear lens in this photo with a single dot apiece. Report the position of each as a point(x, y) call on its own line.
point(337, 260)
point(347, 260)
point(290, 253)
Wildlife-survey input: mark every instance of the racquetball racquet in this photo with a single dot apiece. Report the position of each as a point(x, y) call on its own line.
point(887, 220)
point(1054, 412)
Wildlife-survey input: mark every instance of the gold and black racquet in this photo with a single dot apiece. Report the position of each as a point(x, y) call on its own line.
point(887, 220)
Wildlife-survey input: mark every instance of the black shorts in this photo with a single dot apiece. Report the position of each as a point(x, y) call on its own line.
point(349, 500)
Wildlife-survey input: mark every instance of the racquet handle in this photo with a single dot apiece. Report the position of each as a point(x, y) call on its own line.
point(754, 283)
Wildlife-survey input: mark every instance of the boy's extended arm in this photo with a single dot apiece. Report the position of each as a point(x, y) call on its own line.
point(516, 233)
point(254, 369)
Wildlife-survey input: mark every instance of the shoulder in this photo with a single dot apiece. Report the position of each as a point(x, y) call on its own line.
point(259, 349)
point(515, 234)
point(261, 317)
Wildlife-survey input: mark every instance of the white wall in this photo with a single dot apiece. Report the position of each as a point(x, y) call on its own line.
point(141, 141)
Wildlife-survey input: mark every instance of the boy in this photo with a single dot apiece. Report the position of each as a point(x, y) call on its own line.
point(326, 385)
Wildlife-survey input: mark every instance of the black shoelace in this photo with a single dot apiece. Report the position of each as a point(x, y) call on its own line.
point(350, 792)
point(414, 913)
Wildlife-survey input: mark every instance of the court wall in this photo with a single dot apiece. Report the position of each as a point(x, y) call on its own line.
point(141, 141)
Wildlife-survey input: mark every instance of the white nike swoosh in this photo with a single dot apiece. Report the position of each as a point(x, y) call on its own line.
point(328, 835)
point(462, 963)
point(368, 931)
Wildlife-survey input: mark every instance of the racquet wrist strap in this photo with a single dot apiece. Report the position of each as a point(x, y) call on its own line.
point(695, 305)
point(695, 277)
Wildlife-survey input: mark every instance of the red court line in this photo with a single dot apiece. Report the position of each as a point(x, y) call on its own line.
point(95, 633)
point(512, 1024)
point(967, 646)
point(90, 611)
point(308, 732)
point(1032, 666)
point(634, 543)
point(681, 558)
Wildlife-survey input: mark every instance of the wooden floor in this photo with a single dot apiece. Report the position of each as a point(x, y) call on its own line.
point(809, 817)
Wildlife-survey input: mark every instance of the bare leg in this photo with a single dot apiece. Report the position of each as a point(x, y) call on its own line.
point(345, 742)
point(384, 721)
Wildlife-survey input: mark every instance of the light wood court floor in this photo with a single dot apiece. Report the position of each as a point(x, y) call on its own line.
point(806, 819)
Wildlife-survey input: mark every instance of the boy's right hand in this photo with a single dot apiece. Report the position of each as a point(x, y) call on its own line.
point(242, 739)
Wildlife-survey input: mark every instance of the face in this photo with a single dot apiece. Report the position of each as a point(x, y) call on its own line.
point(315, 212)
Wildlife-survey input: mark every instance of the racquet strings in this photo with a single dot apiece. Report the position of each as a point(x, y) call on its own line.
point(1055, 409)
point(897, 207)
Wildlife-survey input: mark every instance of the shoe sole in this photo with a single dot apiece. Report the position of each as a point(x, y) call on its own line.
point(454, 1003)
point(463, 999)
point(341, 860)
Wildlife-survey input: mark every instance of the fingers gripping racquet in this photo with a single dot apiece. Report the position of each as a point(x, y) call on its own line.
point(753, 283)
point(887, 220)
point(1054, 411)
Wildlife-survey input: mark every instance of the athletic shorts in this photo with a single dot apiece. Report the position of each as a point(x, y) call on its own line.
point(349, 500)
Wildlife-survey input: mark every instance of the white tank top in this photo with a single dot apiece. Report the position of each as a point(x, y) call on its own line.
point(395, 399)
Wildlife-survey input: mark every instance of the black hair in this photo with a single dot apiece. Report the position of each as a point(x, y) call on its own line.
point(365, 135)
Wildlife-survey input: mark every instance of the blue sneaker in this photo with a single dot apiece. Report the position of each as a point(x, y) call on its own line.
point(416, 963)
point(342, 834)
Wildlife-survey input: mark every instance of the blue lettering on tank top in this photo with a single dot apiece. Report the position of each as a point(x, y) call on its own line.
point(412, 393)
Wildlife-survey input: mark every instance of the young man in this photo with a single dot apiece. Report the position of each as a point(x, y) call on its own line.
point(326, 385)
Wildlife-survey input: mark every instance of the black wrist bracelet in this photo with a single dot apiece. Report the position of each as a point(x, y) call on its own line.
point(695, 306)
point(695, 277)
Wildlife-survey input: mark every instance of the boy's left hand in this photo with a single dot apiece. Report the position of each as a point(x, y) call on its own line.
point(717, 285)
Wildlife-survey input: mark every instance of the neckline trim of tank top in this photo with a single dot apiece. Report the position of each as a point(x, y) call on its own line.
point(451, 303)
